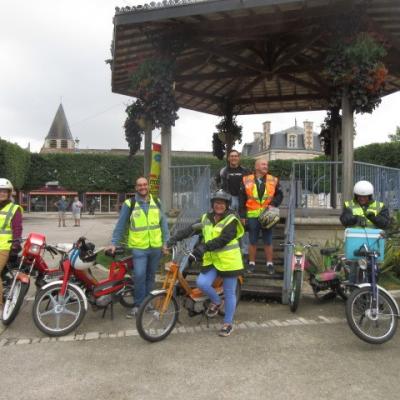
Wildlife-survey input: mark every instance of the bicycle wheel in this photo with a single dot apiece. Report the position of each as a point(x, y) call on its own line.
point(152, 323)
point(57, 315)
point(126, 298)
point(374, 328)
point(295, 290)
point(14, 300)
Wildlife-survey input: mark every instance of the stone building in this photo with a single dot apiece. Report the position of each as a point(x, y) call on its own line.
point(296, 142)
point(59, 139)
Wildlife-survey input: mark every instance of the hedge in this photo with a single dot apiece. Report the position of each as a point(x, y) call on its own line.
point(113, 173)
point(386, 154)
point(14, 163)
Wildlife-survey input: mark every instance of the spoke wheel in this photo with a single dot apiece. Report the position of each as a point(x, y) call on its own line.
point(57, 315)
point(154, 324)
point(371, 326)
point(14, 300)
point(127, 299)
point(295, 290)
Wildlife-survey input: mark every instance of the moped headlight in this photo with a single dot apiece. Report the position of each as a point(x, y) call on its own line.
point(34, 249)
point(362, 263)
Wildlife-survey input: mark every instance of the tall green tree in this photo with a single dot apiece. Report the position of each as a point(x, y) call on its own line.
point(395, 137)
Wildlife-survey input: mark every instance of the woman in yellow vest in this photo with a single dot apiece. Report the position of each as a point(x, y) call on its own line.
point(220, 250)
point(10, 229)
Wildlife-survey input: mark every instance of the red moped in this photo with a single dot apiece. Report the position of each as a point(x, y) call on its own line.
point(61, 305)
point(30, 263)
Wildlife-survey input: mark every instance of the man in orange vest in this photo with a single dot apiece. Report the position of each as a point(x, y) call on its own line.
point(258, 192)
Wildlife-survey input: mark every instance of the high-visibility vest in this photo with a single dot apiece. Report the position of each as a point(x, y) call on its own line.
point(255, 205)
point(6, 215)
point(144, 230)
point(229, 258)
point(374, 207)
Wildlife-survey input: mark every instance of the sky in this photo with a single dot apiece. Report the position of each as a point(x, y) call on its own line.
point(55, 51)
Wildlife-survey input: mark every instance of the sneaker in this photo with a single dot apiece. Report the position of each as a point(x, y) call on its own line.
point(226, 330)
point(270, 268)
point(213, 309)
point(132, 313)
point(251, 267)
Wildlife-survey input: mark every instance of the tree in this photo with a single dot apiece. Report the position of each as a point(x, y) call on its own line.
point(396, 136)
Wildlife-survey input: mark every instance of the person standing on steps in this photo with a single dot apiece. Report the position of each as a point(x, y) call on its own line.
point(259, 191)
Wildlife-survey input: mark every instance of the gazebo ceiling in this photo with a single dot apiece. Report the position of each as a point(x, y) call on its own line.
point(264, 56)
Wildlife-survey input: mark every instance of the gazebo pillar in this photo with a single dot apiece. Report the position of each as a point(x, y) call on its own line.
point(147, 151)
point(347, 147)
point(165, 178)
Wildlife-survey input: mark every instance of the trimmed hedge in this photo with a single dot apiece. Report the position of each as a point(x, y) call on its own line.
point(85, 172)
point(14, 163)
point(113, 173)
point(386, 154)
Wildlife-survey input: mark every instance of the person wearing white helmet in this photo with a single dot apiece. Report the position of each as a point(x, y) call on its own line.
point(363, 211)
point(10, 229)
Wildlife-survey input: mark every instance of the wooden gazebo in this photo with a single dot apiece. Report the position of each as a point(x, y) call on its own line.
point(262, 56)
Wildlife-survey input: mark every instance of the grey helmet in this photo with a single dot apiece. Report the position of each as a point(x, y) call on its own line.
point(221, 195)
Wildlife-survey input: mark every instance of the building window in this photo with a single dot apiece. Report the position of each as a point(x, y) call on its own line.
point(292, 141)
point(64, 144)
point(53, 143)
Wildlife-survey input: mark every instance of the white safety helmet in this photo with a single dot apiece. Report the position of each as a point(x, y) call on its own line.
point(6, 184)
point(82, 260)
point(363, 188)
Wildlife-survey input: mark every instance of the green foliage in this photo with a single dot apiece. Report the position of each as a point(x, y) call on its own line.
point(386, 154)
point(396, 136)
point(228, 133)
point(133, 130)
point(318, 263)
point(355, 65)
point(85, 172)
point(332, 124)
point(14, 163)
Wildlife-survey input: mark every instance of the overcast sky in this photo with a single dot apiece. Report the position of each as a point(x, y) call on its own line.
point(54, 51)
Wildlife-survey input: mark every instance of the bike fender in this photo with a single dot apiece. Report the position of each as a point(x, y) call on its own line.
point(386, 292)
point(158, 291)
point(77, 288)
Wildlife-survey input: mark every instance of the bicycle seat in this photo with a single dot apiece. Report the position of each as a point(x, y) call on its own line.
point(328, 251)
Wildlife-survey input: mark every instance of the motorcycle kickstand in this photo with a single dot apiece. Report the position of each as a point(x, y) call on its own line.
point(111, 305)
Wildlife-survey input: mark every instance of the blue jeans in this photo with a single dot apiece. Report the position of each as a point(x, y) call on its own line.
point(145, 264)
point(204, 283)
point(244, 240)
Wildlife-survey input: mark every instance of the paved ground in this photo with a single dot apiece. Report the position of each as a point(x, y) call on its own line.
point(272, 353)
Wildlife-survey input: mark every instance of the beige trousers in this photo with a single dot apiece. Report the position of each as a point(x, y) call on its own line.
point(3, 261)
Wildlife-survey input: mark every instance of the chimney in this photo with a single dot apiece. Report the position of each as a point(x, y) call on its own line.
point(257, 136)
point(267, 134)
point(308, 135)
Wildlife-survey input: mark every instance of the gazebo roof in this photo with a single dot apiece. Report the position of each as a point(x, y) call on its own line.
point(264, 55)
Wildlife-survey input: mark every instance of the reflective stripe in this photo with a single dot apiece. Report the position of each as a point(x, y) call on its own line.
point(5, 232)
point(229, 247)
point(144, 228)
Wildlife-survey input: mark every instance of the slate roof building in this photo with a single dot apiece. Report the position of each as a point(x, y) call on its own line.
point(296, 142)
point(59, 139)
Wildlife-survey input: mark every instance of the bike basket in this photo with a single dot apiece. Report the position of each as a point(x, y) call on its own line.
point(354, 238)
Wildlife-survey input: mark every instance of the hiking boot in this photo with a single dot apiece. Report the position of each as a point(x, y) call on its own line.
point(213, 309)
point(270, 268)
point(132, 313)
point(226, 330)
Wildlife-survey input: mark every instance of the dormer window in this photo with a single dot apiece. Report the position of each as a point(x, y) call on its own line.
point(292, 141)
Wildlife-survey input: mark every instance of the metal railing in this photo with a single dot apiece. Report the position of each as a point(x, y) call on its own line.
point(289, 237)
point(318, 184)
point(190, 193)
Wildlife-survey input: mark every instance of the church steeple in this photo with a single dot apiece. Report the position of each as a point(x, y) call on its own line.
point(59, 138)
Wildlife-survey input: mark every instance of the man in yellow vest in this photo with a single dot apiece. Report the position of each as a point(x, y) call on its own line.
point(147, 233)
point(10, 229)
point(258, 192)
point(363, 211)
point(220, 250)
